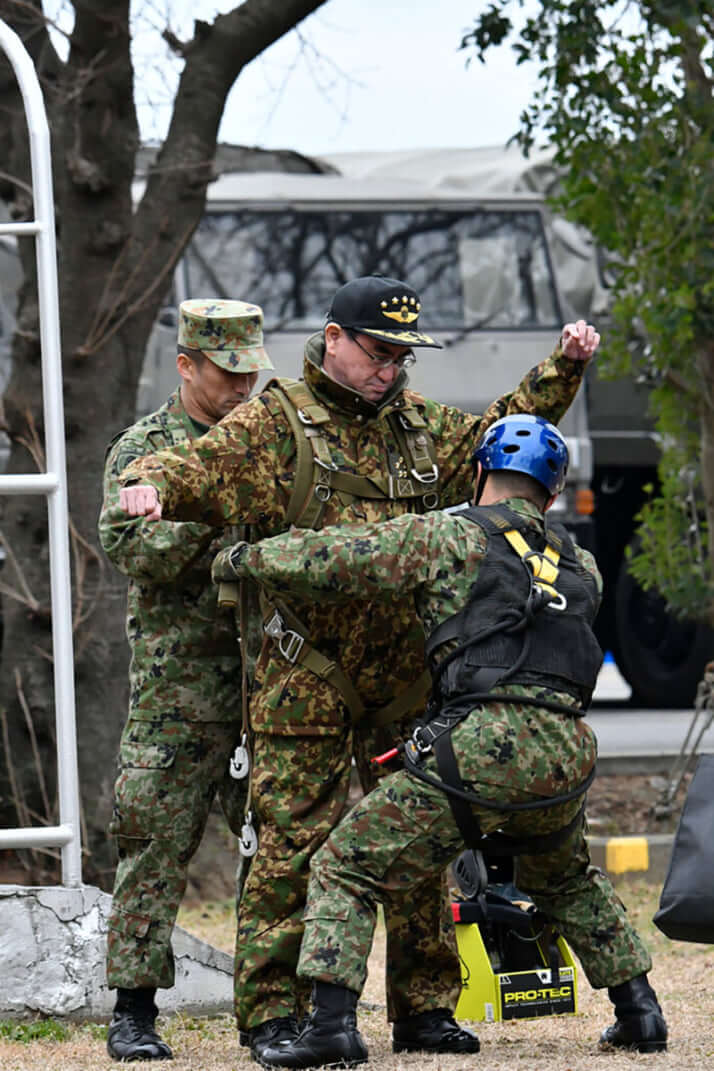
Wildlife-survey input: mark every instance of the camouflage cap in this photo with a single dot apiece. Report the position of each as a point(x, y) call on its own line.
point(229, 333)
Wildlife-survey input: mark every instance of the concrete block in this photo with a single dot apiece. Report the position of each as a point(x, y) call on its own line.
point(636, 857)
point(53, 952)
point(627, 853)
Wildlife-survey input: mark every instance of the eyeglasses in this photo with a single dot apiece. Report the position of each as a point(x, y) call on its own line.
point(405, 361)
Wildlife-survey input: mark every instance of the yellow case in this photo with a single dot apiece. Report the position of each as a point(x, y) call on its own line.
point(493, 997)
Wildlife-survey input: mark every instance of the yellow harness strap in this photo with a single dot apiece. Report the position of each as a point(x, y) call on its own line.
point(544, 564)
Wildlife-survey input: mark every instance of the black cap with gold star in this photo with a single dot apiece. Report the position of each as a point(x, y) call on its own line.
point(382, 308)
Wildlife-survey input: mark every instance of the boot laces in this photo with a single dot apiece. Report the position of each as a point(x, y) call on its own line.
point(279, 1026)
point(141, 1024)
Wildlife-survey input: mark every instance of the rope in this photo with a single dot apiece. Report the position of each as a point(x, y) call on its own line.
point(704, 709)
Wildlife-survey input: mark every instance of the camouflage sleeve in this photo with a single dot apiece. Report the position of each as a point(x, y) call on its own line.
point(546, 390)
point(144, 550)
point(231, 475)
point(365, 560)
point(587, 560)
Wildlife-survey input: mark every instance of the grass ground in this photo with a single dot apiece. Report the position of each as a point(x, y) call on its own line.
point(683, 976)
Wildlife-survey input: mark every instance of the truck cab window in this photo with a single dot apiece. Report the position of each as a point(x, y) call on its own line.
point(476, 267)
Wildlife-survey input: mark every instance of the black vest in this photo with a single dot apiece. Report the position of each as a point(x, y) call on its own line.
point(560, 653)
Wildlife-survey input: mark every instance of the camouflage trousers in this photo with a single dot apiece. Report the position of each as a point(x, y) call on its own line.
point(300, 788)
point(170, 773)
point(399, 838)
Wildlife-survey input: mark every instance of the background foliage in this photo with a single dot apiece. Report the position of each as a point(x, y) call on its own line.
point(625, 99)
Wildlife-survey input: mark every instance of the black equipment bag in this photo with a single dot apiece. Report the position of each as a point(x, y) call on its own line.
point(686, 906)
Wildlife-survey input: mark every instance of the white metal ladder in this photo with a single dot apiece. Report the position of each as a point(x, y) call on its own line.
point(53, 482)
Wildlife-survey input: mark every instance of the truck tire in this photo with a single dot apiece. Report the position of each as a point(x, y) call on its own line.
point(661, 657)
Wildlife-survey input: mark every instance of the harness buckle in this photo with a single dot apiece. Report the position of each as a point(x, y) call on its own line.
point(430, 499)
point(560, 604)
point(289, 641)
point(418, 745)
point(430, 477)
point(323, 491)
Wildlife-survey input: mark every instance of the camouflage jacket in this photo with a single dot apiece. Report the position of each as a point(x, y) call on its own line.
point(185, 661)
point(242, 471)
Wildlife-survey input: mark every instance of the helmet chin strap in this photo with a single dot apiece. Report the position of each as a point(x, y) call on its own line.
point(482, 477)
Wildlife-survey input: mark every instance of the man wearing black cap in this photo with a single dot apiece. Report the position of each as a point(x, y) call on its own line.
point(347, 443)
point(364, 310)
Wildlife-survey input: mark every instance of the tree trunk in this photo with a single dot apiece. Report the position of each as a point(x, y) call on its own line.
point(705, 367)
point(115, 269)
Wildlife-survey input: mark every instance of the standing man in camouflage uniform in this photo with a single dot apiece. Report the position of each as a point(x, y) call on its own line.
point(185, 674)
point(334, 682)
point(508, 606)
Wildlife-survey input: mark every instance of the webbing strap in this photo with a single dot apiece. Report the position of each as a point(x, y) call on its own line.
point(375, 486)
point(316, 477)
point(539, 844)
point(300, 651)
point(449, 772)
point(289, 635)
point(403, 703)
point(417, 445)
point(544, 564)
point(305, 507)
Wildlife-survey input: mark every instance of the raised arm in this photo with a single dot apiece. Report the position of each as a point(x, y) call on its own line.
point(137, 547)
point(231, 475)
point(549, 389)
point(546, 390)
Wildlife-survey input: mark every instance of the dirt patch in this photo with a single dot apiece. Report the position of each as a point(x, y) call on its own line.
point(683, 976)
point(624, 804)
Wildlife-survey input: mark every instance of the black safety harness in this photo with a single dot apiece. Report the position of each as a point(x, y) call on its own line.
point(449, 705)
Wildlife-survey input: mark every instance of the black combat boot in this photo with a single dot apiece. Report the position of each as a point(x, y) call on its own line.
point(432, 1031)
point(131, 1035)
point(329, 1037)
point(639, 1023)
point(269, 1033)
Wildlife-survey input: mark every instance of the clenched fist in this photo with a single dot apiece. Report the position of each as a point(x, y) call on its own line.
point(579, 341)
point(141, 500)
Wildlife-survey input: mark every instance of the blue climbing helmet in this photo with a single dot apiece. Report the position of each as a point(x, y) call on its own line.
point(525, 443)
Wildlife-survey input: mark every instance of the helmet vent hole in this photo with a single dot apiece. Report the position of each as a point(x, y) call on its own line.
point(551, 464)
point(524, 432)
point(511, 448)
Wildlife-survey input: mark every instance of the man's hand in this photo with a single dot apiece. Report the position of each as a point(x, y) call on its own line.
point(226, 564)
point(141, 500)
point(579, 341)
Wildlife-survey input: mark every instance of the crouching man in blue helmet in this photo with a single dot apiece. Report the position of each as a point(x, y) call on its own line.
point(507, 603)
